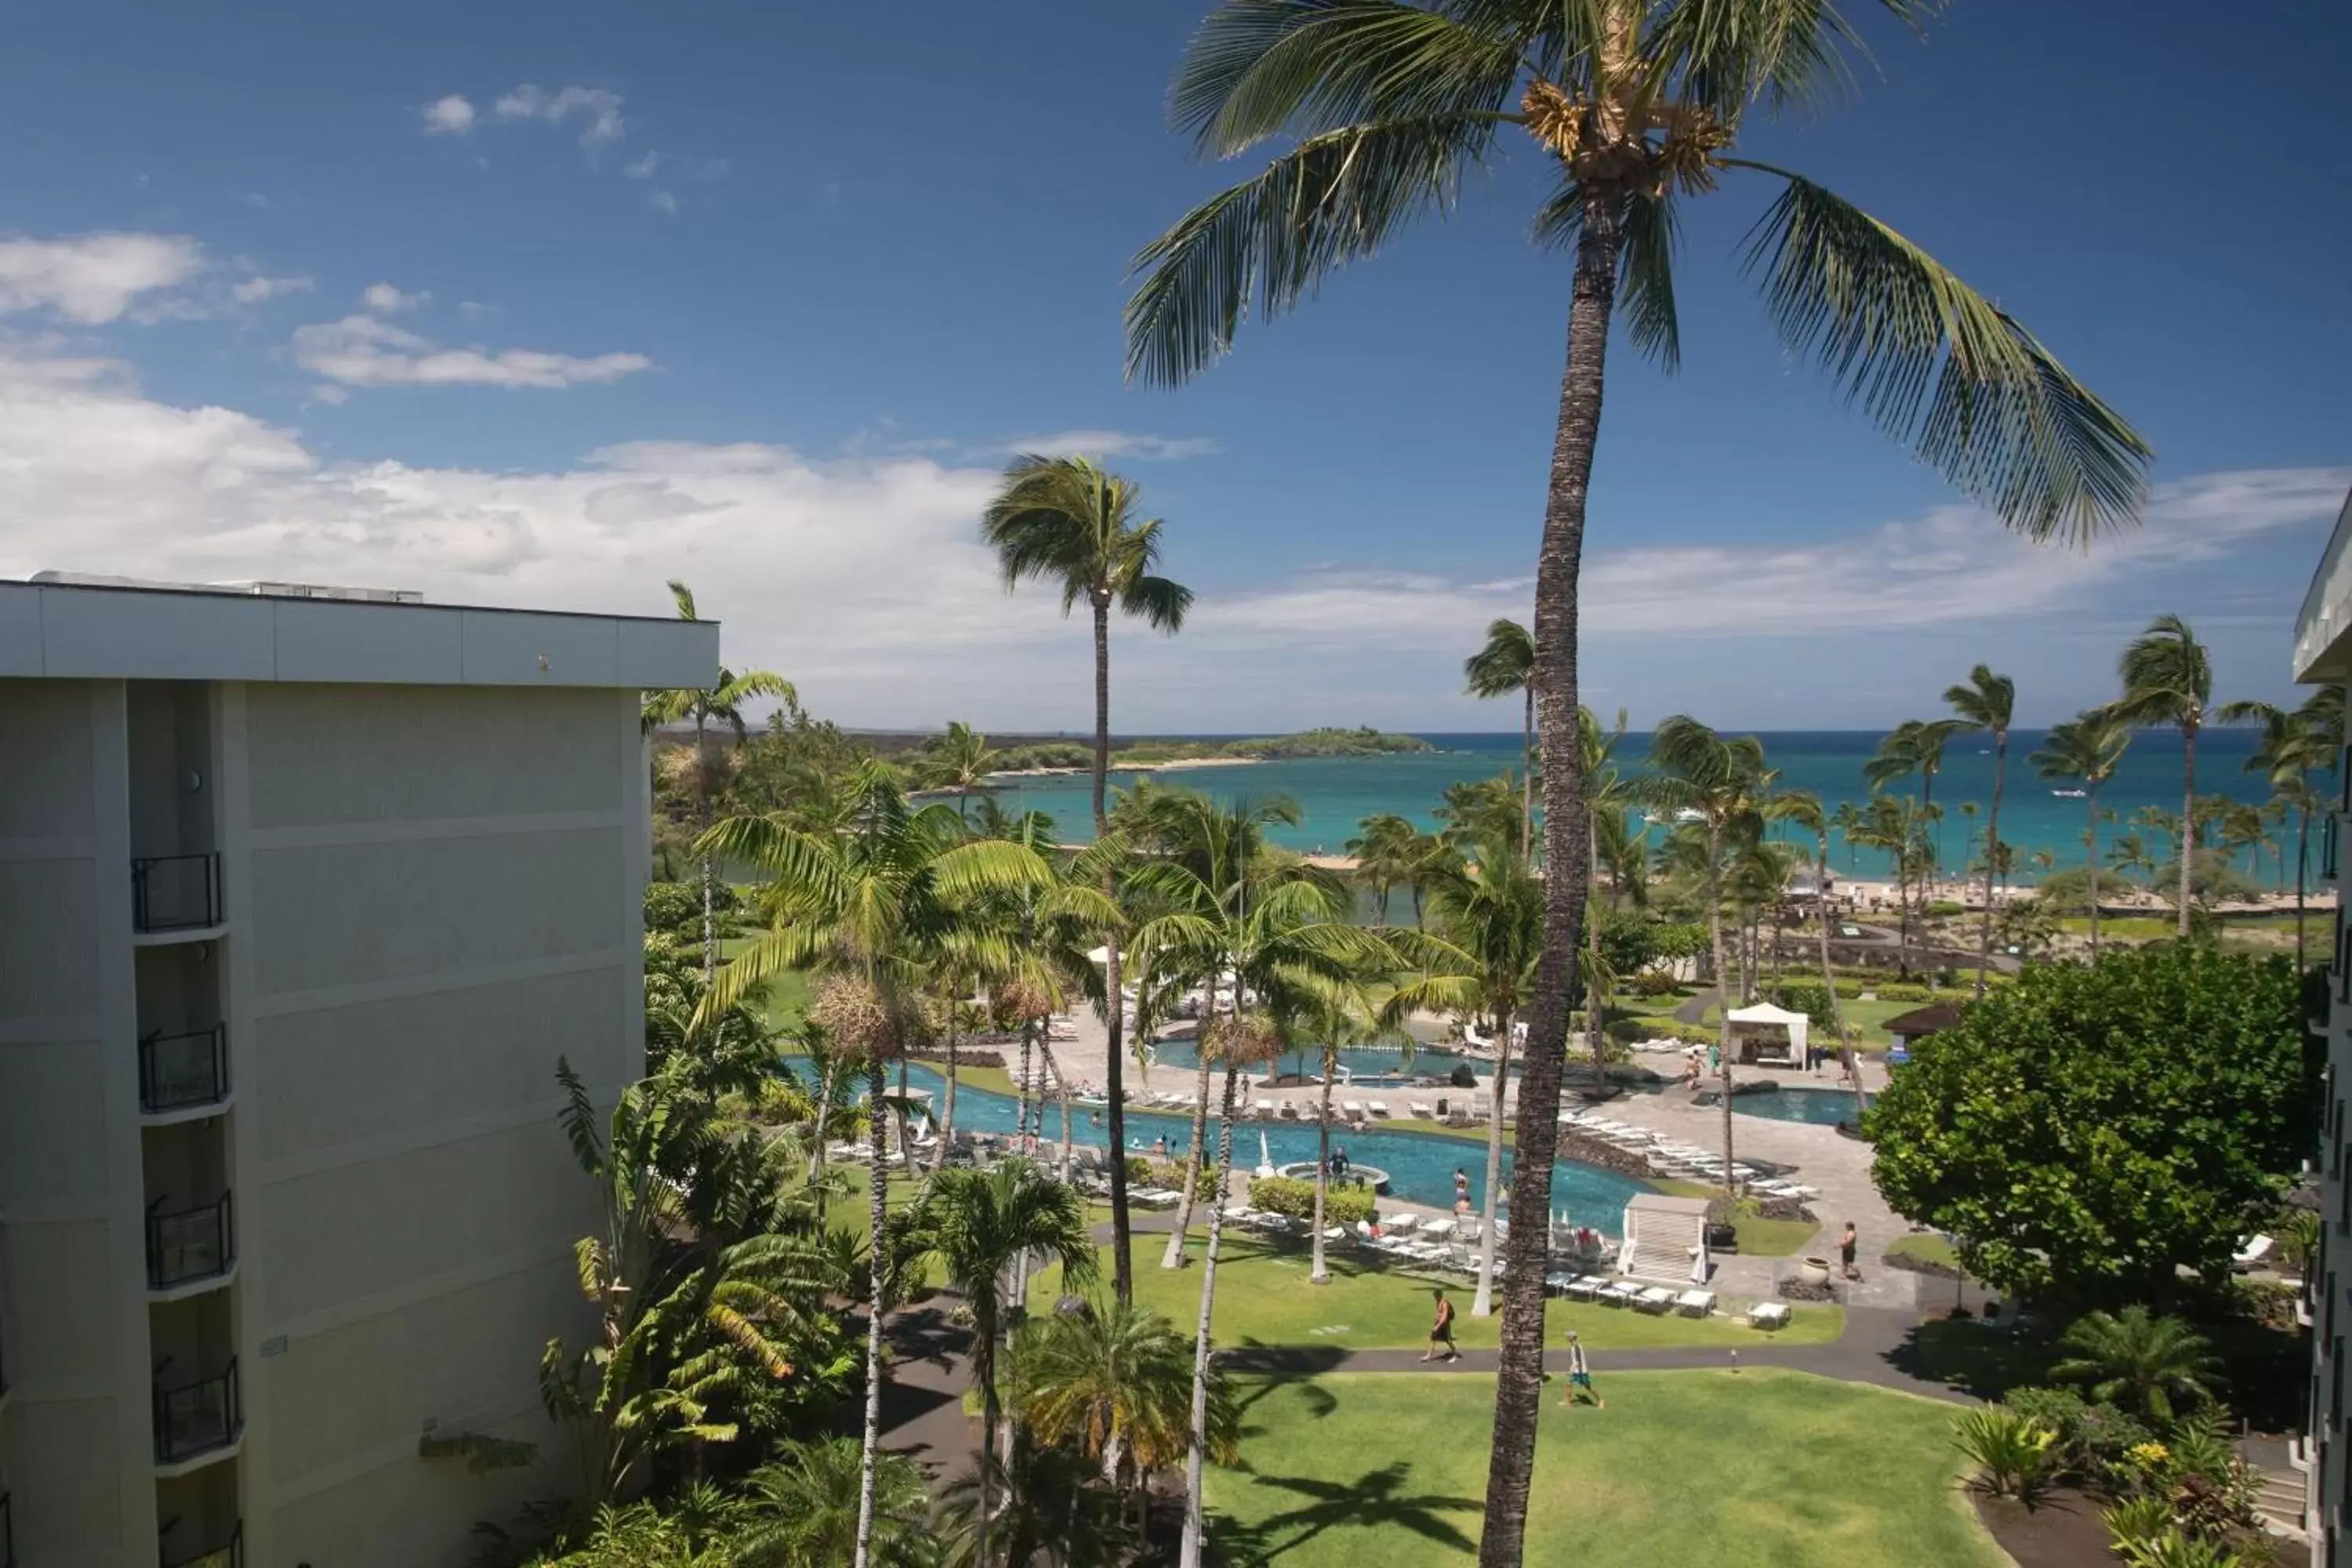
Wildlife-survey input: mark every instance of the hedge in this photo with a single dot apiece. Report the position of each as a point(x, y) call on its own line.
point(1628, 1030)
point(1168, 1175)
point(1294, 1196)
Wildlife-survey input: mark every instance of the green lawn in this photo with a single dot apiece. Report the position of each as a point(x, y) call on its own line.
point(1263, 1297)
point(1757, 1237)
point(1932, 1249)
point(1701, 1469)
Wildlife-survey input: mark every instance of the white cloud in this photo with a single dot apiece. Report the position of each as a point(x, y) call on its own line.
point(642, 168)
point(386, 300)
point(450, 116)
point(475, 310)
point(367, 351)
point(94, 278)
point(1112, 444)
point(663, 201)
point(600, 108)
point(252, 290)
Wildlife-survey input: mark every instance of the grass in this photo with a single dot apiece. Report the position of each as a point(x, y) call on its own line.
point(1933, 1249)
point(1263, 1297)
point(1701, 1469)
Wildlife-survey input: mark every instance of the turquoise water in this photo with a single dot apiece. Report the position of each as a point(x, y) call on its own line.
point(1420, 1165)
point(1814, 1107)
point(1429, 1060)
point(1336, 794)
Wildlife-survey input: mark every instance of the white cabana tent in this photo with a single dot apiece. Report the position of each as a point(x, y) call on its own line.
point(1666, 1239)
point(1770, 1034)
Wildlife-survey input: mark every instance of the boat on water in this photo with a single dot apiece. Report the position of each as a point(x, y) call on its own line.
point(2072, 793)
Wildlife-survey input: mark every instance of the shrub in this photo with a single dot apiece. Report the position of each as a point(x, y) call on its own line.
point(2136, 1519)
point(2092, 1438)
point(1168, 1175)
point(1295, 1198)
point(1899, 992)
point(1655, 983)
point(1945, 908)
point(2174, 1550)
point(2012, 1453)
point(1810, 1000)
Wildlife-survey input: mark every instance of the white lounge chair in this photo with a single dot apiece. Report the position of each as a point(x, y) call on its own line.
point(1586, 1286)
point(1378, 1107)
point(1656, 1299)
point(1618, 1292)
point(1265, 1108)
point(1695, 1303)
point(1423, 1110)
point(1768, 1315)
point(1354, 1109)
point(1287, 1111)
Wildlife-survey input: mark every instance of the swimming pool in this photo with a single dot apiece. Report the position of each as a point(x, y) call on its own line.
point(1369, 1069)
point(1420, 1165)
point(1814, 1107)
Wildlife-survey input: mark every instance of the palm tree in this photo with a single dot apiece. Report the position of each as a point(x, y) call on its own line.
point(977, 1223)
point(1066, 521)
point(723, 704)
point(2090, 747)
point(1388, 850)
point(1491, 911)
point(958, 759)
point(1605, 800)
point(2294, 745)
point(2169, 680)
point(1506, 665)
point(1115, 1383)
point(1803, 807)
point(1057, 1512)
point(1381, 109)
point(872, 909)
point(1915, 749)
point(1343, 1017)
point(1986, 702)
point(805, 1507)
point(2139, 1361)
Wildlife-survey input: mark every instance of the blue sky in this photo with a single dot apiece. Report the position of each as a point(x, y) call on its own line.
point(543, 304)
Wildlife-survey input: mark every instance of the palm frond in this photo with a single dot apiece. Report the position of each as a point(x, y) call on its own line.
point(1938, 367)
point(1257, 68)
point(1268, 241)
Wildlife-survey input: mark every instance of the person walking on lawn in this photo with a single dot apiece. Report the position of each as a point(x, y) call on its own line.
point(1441, 1330)
point(1579, 1375)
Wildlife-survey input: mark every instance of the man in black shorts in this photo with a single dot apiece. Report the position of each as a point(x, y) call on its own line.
point(1441, 1330)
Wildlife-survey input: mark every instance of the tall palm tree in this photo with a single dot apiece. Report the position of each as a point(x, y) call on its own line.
point(1057, 1512)
point(1986, 702)
point(977, 1223)
point(2294, 745)
point(1506, 665)
point(2090, 747)
point(1605, 799)
point(1067, 521)
point(1343, 1017)
point(721, 704)
point(1632, 109)
point(2169, 680)
point(1115, 1383)
point(1803, 808)
point(873, 910)
point(1387, 850)
point(2140, 1360)
point(1914, 749)
point(1723, 779)
point(1491, 912)
point(958, 759)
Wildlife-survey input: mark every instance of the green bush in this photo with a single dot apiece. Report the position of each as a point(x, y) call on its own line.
point(1945, 908)
point(1168, 1175)
point(1293, 1197)
point(1899, 992)
point(2012, 1453)
point(1810, 1000)
point(2136, 1519)
point(1627, 1030)
point(1655, 983)
point(2174, 1550)
point(2092, 1438)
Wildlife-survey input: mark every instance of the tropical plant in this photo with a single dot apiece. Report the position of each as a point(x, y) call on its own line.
point(2172, 1549)
point(2011, 1452)
point(976, 1222)
point(2169, 680)
point(1803, 808)
point(2137, 1519)
point(1723, 779)
point(1506, 664)
point(2090, 747)
point(1056, 1511)
point(1340, 1017)
point(721, 704)
point(1914, 749)
point(1388, 850)
point(871, 910)
point(957, 760)
point(1064, 521)
point(806, 1503)
point(2139, 1361)
point(2294, 745)
point(1634, 109)
point(1985, 702)
point(1491, 914)
point(2049, 1127)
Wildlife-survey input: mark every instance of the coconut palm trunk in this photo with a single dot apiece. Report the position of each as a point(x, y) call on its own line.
point(1829, 972)
point(1320, 1273)
point(1992, 858)
point(1482, 1303)
point(946, 1094)
point(1595, 1011)
point(1527, 777)
point(1196, 1452)
point(2186, 838)
point(2091, 858)
point(1518, 1380)
point(1174, 1256)
point(877, 1188)
point(1115, 1004)
point(709, 862)
point(1723, 992)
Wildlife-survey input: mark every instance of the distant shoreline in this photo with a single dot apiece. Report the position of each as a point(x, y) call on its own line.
point(1119, 767)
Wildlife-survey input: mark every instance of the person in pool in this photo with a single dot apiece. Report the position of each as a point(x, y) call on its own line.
point(1160, 1147)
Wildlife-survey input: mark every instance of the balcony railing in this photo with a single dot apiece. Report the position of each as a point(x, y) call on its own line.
point(176, 1071)
point(176, 892)
point(230, 1553)
point(189, 1245)
point(197, 1417)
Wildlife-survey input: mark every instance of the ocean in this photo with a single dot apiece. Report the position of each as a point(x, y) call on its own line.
point(1335, 793)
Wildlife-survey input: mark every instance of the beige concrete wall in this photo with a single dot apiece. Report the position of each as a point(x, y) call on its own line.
point(75, 1439)
point(433, 899)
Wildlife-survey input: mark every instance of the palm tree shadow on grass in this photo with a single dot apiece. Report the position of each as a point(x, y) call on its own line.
point(1376, 1499)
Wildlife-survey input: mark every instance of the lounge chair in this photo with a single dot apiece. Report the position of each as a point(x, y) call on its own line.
point(1423, 1110)
point(1695, 1303)
point(1354, 1109)
point(1617, 1292)
point(1287, 1111)
point(1656, 1299)
point(1265, 1108)
point(1378, 1107)
point(1768, 1315)
point(1586, 1288)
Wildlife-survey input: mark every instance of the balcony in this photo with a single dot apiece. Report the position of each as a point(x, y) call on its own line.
point(230, 1553)
point(197, 1423)
point(189, 1250)
point(182, 1075)
point(175, 895)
